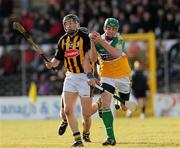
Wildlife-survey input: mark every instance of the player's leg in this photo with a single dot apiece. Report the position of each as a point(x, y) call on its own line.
point(124, 96)
point(99, 106)
point(64, 123)
point(117, 103)
point(123, 91)
point(107, 115)
point(96, 106)
point(70, 95)
point(70, 100)
point(62, 113)
point(129, 112)
point(85, 93)
point(86, 103)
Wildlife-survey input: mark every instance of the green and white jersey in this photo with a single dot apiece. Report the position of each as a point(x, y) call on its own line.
point(113, 67)
point(117, 42)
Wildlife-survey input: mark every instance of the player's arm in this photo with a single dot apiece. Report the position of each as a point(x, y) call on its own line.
point(87, 62)
point(88, 52)
point(87, 65)
point(59, 56)
point(115, 52)
point(88, 69)
point(93, 52)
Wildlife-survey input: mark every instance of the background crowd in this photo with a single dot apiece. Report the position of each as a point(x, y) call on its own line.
point(45, 24)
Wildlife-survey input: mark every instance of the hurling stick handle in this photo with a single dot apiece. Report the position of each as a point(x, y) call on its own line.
point(40, 51)
point(114, 95)
point(44, 57)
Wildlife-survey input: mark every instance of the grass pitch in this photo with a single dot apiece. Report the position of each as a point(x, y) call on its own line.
point(130, 133)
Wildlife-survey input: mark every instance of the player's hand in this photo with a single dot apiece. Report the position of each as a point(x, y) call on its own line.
point(97, 81)
point(92, 82)
point(49, 65)
point(94, 36)
point(97, 37)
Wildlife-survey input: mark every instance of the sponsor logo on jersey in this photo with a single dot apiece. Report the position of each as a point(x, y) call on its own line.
point(72, 53)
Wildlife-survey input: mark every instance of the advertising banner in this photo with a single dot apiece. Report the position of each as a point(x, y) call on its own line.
point(167, 105)
point(46, 107)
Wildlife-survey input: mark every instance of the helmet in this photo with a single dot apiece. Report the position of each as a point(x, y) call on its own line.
point(111, 22)
point(70, 16)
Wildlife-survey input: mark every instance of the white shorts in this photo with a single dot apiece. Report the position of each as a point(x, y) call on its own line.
point(77, 82)
point(122, 84)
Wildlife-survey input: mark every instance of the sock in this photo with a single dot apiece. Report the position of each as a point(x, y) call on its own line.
point(108, 122)
point(64, 120)
point(77, 136)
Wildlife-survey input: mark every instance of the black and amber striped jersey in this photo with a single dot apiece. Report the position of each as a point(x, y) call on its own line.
point(71, 50)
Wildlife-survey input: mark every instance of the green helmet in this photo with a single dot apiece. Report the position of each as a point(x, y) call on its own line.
point(111, 22)
point(70, 16)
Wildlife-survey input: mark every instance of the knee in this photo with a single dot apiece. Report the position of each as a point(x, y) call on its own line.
point(68, 111)
point(86, 115)
point(103, 95)
point(106, 101)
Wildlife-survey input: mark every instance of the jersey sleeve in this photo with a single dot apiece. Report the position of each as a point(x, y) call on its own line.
point(59, 55)
point(86, 44)
point(120, 43)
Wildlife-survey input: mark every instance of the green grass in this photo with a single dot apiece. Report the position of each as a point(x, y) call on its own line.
point(130, 133)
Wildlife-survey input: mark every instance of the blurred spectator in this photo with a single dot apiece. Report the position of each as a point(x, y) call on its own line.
point(7, 35)
point(27, 20)
point(6, 7)
point(161, 16)
point(53, 10)
point(139, 87)
point(7, 63)
point(16, 52)
point(126, 28)
point(28, 58)
point(43, 86)
point(25, 4)
point(146, 24)
point(55, 31)
point(93, 25)
point(160, 56)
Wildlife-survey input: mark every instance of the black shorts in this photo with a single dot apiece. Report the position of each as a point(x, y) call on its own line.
point(139, 94)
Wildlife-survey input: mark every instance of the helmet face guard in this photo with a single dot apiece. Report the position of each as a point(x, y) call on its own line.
point(112, 22)
point(70, 17)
